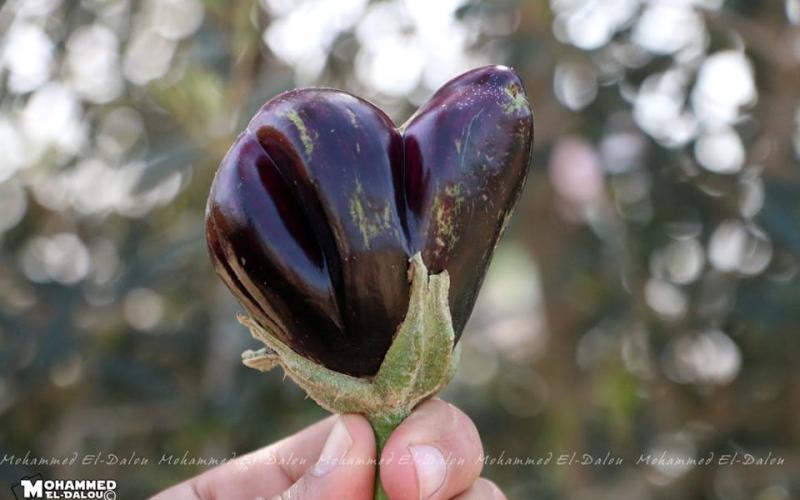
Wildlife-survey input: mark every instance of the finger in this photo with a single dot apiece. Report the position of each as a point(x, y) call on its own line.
point(483, 489)
point(265, 472)
point(346, 465)
point(435, 453)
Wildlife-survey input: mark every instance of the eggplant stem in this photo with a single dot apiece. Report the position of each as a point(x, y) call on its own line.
point(383, 426)
point(420, 362)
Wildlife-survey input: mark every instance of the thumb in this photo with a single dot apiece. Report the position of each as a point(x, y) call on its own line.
point(345, 467)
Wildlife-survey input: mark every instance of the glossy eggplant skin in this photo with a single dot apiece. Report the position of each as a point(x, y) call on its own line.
point(318, 205)
point(260, 246)
point(466, 162)
point(337, 295)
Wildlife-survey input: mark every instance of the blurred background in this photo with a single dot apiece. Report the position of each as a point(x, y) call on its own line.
point(645, 302)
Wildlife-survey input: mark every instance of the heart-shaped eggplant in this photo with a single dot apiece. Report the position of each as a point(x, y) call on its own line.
point(317, 207)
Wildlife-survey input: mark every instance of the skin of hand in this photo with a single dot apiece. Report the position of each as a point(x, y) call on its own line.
point(436, 453)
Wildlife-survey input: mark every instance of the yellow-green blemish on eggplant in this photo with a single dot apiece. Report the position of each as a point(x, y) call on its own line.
point(516, 99)
point(370, 220)
point(456, 193)
point(446, 235)
point(446, 211)
point(308, 143)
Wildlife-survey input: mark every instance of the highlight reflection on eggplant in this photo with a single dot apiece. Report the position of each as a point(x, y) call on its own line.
point(319, 204)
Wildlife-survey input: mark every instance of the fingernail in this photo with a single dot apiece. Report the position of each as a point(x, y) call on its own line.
point(336, 447)
point(431, 468)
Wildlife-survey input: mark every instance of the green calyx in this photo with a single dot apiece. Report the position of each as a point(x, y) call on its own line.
point(419, 363)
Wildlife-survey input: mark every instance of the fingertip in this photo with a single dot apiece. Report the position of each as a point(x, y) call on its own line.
point(435, 453)
point(346, 464)
point(361, 431)
point(497, 493)
point(483, 489)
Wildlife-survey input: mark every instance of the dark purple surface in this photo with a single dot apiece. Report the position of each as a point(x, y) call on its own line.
point(318, 205)
point(467, 153)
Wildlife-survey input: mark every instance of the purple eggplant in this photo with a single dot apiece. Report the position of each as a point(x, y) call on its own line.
point(319, 204)
point(467, 152)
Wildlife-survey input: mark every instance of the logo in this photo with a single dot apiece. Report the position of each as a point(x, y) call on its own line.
point(37, 487)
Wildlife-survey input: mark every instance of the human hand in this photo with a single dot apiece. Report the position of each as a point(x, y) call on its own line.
point(435, 453)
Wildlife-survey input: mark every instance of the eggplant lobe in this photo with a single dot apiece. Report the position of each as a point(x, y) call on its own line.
point(262, 248)
point(340, 159)
point(467, 152)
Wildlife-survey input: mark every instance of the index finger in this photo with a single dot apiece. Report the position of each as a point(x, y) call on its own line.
point(278, 466)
